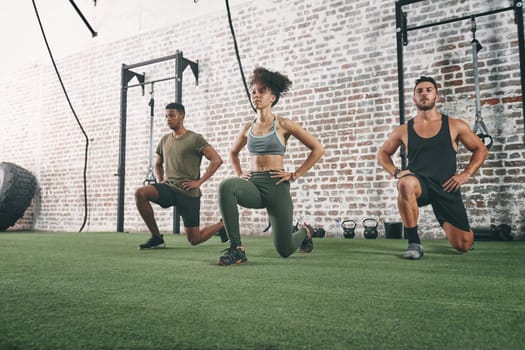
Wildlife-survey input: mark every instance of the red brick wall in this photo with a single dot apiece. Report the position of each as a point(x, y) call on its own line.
point(341, 57)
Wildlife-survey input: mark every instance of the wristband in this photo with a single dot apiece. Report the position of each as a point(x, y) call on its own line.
point(396, 172)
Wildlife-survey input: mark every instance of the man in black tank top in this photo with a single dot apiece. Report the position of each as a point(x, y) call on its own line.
point(431, 142)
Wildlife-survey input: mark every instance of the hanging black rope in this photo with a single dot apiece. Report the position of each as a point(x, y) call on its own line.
point(72, 110)
point(238, 56)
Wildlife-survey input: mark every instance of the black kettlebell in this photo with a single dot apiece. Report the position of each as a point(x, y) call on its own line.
point(318, 232)
point(348, 228)
point(370, 225)
point(503, 232)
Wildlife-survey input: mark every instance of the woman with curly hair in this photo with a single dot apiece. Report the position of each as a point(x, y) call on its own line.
point(267, 183)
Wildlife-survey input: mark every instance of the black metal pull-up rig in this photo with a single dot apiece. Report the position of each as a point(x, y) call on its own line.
point(402, 30)
point(126, 76)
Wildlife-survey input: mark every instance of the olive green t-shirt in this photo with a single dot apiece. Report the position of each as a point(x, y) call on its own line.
point(182, 159)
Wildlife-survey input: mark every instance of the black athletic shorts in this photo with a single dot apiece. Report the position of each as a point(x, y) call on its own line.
point(188, 208)
point(447, 206)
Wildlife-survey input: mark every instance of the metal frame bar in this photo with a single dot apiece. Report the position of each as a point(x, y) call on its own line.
point(518, 19)
point(126, 76)
point(402, 40)
point(460, 18)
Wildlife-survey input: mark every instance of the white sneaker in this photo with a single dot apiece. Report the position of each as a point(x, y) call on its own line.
point(414, 251)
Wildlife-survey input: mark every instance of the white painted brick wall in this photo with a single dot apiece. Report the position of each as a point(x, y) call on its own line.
point(341, 57)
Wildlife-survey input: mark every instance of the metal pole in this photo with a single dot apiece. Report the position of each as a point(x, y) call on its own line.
point(179, 69)
point(178, 98)
point(458, 19)
point(155, 60)
point(121, 172)
point(476, 47)
point(407, 2)
point(518, 13)
point(151, 82)
point(126, 76)
point(400, 28)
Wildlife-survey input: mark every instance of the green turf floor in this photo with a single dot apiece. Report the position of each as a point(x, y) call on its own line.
point(98, 291)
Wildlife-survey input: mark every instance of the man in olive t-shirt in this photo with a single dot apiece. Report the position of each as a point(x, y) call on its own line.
point(177, 169)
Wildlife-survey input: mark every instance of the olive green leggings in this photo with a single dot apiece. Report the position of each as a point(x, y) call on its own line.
point(260, 192)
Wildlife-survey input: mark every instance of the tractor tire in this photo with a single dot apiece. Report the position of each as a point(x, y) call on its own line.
point(17, 188)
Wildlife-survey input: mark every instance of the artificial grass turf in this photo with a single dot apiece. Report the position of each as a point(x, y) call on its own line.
point(98, 291)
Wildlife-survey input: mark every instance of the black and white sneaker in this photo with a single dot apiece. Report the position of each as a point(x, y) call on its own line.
point(307, 245)
point(233, 255)
point(153, 242)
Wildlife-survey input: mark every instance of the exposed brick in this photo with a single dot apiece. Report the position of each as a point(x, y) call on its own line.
point(341, 57)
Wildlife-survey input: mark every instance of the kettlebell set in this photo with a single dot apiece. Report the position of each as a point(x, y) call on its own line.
point(394, 230)
point(369, 224)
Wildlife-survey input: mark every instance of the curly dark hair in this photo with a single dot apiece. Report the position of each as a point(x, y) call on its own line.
point(275, 81)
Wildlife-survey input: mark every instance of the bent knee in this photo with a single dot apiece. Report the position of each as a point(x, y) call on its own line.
point(407, 186)
point(459, 239)
point(284, 253)
point(193, 242)
point(140, 193)
point(463, 245)
point(193, 238)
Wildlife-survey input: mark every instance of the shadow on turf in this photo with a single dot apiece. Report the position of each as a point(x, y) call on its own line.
point(399, 253)
point(158, 249)
point(444, 251)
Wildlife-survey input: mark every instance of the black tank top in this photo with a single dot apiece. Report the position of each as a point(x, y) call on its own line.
point(433, 157)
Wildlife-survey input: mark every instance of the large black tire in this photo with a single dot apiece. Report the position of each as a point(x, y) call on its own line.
point(17, 188)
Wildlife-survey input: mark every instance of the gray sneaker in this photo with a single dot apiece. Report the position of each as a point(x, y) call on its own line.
point(414, 251)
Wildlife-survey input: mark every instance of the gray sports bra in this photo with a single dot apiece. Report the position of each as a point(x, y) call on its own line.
point(268, 144)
